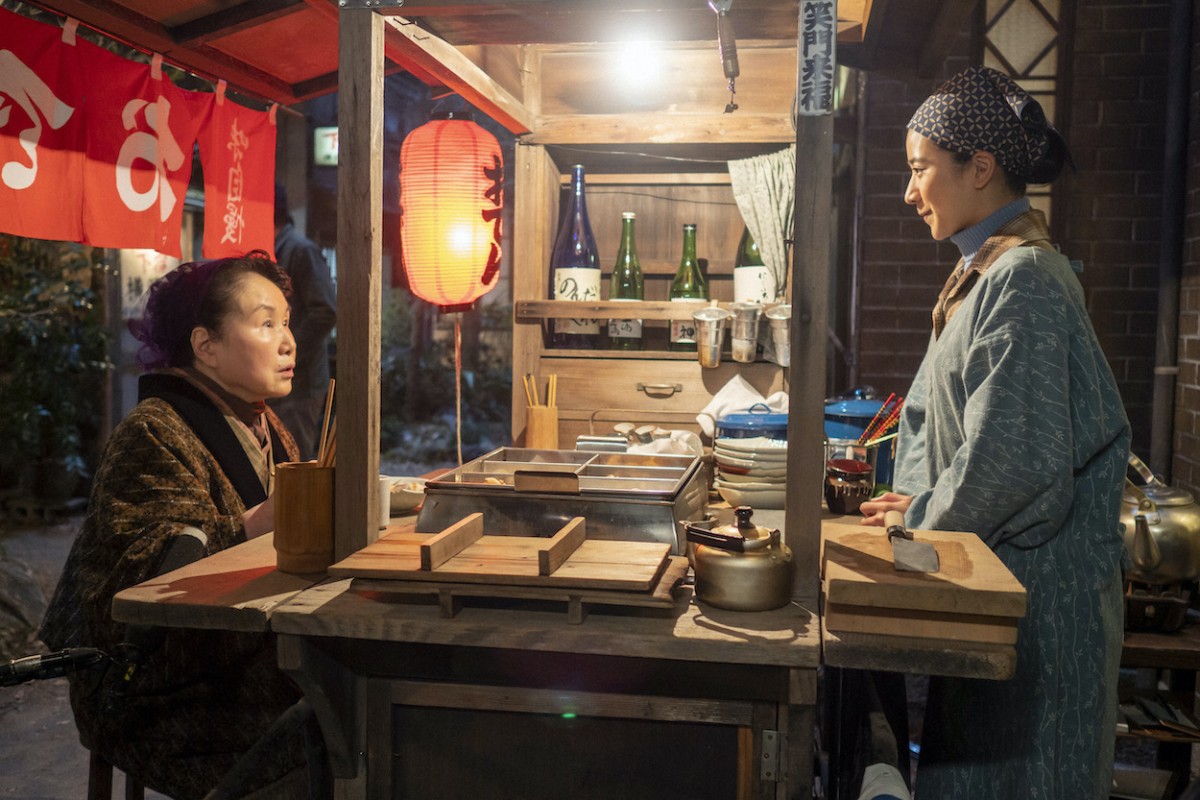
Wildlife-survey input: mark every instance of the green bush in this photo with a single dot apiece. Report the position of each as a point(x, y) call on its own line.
point(53, 356)
point(417, 417)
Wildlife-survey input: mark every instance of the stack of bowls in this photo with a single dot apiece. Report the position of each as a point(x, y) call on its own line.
point(750, 452)
point(751, 472)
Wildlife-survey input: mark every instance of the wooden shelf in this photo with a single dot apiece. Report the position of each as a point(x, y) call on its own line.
point(536, 310)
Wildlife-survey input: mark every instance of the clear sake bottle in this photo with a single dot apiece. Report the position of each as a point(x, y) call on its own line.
point(689, 284)
point(752, 281)
point(625, 285)
point(575, 269)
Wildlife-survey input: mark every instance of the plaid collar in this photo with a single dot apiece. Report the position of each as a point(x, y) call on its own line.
point(1024, 230)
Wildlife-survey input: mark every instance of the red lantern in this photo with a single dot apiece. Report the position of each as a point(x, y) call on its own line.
point(450, 177)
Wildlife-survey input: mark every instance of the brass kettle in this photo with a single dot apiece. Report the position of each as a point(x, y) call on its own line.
point(1162, 528)
point(741, 567)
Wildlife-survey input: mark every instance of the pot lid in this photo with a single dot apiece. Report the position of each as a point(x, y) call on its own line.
point(853, 408)
point(743, 527)
point(1162, 495)
point(759, 417)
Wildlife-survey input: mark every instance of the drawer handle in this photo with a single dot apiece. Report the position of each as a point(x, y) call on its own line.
point(666, 389)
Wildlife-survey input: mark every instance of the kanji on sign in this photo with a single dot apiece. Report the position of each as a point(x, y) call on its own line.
point(818, 35)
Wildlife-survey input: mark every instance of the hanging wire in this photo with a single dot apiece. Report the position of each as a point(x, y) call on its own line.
point(458, 383)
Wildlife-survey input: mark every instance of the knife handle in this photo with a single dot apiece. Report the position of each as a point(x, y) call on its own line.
point(894, 521)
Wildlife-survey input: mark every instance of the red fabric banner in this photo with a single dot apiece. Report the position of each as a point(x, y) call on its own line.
point(41, 132)
point(237, 153)
point(96, 148)
point(141, 133)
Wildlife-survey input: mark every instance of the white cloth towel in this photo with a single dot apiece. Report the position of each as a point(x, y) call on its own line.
point(735, 397)
point(683, 443)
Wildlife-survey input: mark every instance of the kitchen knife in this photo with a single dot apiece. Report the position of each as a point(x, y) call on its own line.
point(908, 555)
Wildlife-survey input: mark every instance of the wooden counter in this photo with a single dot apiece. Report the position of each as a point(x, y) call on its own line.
point(363, 655)
point(235, 590)
point(366, 657)
point(913, 655)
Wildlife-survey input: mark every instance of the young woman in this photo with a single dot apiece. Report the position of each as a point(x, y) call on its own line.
point(186, 474)
point(1014, 429)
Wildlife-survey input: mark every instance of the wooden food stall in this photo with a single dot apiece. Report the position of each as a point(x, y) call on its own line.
point(425, 692)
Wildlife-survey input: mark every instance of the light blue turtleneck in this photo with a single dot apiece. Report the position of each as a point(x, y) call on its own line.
point(969, 240)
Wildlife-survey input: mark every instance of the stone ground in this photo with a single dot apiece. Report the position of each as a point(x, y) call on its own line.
point(40, 754)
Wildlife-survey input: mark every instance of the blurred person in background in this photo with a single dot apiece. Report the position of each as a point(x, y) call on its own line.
point(314, 314)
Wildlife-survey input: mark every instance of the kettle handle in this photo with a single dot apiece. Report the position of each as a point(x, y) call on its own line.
point(1138, 469)
point(719, 540)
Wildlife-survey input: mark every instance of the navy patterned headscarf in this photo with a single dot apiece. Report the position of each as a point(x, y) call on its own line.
point(982, 109)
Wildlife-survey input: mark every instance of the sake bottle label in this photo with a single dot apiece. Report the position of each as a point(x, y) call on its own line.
point(579, 284)
point(753, 285)
point(624, 328)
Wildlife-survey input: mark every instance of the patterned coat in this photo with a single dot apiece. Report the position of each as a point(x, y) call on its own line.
point(203, 697)
point(1014, 429)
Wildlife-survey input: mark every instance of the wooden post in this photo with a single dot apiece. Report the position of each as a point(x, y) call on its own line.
point(810, 292)
point(359, 267)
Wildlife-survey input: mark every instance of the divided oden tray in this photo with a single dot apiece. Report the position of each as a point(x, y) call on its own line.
point(971, 598)
point(463, 554)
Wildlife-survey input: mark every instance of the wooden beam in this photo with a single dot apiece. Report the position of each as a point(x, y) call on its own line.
point(360, 270)
point(951, 20)
point(120, 23)
point(428, 53)
point(390, 41)
point(810, 269)
point(235, 19)
point(661, 129)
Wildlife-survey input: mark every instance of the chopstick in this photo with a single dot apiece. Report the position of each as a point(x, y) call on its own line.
point(325, 422)
point(862, 439)
point(892, 419)
point(552, 391)
point(329, 457)
point(528, 394)
point(531, 392)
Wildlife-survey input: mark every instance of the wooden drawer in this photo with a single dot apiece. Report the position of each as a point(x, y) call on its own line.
point(593, 393)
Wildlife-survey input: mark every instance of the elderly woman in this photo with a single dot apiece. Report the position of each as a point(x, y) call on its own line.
point(186, 474)
point(1014, 429)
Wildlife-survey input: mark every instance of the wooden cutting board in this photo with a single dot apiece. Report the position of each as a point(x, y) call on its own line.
point(972, 596)
point(509, 560)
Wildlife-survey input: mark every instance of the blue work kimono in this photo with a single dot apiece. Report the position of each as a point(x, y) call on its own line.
point(1014, 429)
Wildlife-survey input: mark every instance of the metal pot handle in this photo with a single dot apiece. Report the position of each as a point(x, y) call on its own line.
point(1138, 468)
point(735, 544)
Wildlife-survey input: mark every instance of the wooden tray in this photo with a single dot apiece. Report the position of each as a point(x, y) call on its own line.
point(463, 554)
point(971, 598)
point(450, 596)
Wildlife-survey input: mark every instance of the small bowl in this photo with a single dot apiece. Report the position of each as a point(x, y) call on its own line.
point(407, 494)
point(760, 498)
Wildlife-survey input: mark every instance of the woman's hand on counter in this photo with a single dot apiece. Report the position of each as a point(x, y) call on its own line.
point(874, 509)
point(260, 519)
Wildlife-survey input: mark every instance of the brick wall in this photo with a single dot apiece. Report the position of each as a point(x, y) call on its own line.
point(1109, 214)
point(902, 269)
point(1114, 203)
point(1186, 462)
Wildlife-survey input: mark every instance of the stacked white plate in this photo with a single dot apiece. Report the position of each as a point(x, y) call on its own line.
point(751, 472)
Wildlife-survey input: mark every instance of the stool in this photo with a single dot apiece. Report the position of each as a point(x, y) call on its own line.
point(100, 781)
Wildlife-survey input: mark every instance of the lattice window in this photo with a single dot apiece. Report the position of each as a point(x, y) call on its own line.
point(1021, 38)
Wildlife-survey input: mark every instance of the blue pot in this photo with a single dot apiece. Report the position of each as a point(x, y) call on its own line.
point(759, 420)
point(847, 419)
